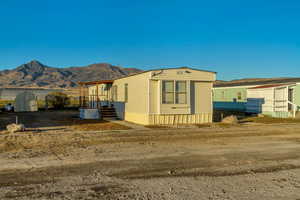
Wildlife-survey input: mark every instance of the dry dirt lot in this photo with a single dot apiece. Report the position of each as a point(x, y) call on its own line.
point(57, 158)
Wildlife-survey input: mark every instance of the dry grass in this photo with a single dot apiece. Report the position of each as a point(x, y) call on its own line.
point(204, 125)
point(270, 120)
point(158, 126)
point(83, 125)
point(92, 125)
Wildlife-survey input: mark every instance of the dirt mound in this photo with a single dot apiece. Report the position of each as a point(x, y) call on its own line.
point(230, 120)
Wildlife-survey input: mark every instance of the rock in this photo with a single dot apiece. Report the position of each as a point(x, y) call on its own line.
point(230, 120)
point(12, 128)
point(171, 172)
point(260, 115)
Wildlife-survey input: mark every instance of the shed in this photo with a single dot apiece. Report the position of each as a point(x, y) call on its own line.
point(26, 102)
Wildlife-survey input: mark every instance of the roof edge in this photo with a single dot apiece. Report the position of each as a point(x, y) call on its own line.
point(166, 69)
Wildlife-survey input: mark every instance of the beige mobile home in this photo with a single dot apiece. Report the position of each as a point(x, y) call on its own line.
point(162, 96)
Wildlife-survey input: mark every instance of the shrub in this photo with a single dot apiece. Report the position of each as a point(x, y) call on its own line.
point(57, 100)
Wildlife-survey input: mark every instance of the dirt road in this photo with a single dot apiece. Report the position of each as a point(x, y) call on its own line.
point(238, 162)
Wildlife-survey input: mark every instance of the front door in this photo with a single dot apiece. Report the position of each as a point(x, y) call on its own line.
point(201, 97)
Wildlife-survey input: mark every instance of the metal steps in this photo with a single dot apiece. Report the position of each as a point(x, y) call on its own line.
point(107, 112)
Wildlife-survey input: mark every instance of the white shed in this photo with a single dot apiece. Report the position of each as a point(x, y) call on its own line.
point(274, 100)
point(26, 102)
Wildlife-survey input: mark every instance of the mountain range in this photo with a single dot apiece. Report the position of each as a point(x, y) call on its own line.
point(36, 74)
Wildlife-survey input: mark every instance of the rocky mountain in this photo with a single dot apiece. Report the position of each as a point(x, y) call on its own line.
point(36, 74)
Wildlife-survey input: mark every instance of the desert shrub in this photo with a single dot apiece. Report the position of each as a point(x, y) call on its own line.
point(57, 100)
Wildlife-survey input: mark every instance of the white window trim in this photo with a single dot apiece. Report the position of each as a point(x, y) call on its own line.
point(187, 86)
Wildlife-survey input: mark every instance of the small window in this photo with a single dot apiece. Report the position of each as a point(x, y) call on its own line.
point(239, 96)
point(115, 93)
point(180, 92)
point(126, 93)
point(168, 92)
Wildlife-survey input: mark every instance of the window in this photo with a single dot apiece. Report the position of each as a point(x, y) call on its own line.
point(180, 92)
point(174, 92)
point(167, 92)
point(126, 92)
point(115, 93)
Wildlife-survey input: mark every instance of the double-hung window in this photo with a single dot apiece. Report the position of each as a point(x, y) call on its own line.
point(168, 92)
point(180, 93)
point(174, 92)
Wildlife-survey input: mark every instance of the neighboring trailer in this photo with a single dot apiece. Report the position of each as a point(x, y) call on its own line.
point(273, 100)
point(230, 98)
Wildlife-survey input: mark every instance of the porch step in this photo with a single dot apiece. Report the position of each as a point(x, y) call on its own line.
point(107, 112)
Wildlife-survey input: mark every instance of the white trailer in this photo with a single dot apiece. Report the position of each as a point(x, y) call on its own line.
point(274, 100)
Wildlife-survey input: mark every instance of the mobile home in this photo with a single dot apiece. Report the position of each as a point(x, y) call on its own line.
point(277, 100)
point(280, 98)
point(163, 96)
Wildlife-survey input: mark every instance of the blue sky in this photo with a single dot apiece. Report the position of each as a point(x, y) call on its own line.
point(236, 38)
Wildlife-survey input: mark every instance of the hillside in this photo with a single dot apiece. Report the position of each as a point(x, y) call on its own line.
point(36, 74)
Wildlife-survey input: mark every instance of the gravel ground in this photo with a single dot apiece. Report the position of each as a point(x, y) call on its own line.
point(238, 162)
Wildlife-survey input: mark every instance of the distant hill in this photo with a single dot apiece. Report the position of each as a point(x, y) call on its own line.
point(36, 74)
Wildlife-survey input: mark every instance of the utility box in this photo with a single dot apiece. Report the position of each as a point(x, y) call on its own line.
point(85, 113)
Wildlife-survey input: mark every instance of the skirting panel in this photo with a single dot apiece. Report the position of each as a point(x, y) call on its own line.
point(155, 119)
point(278, 114)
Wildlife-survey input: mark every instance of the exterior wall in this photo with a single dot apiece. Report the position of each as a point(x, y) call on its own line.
point(154, 96)
point(260, 100)
point(198, 107)
point(230, 94)
point(297, 96)
point(183, 74)
point(227, 98)
point(136, 109)
point(278, 114)
point(198, 110)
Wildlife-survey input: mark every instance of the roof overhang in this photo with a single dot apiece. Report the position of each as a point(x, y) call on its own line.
point(96, 82)
point(271, 86)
